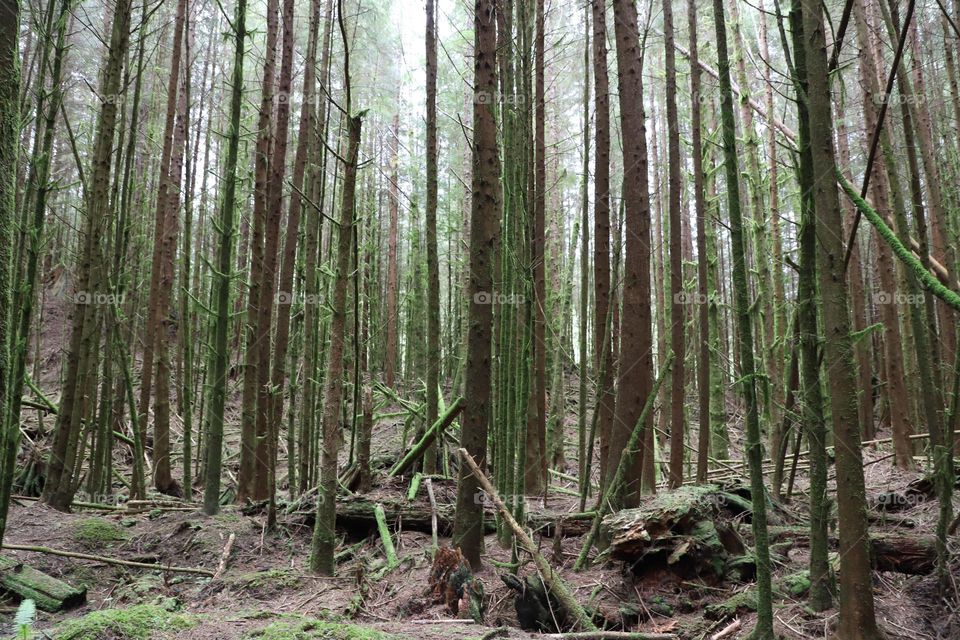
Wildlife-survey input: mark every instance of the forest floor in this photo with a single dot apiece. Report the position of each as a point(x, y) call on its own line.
point(268, 592)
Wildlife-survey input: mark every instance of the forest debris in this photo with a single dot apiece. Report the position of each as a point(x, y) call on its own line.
point(225, 556)
point(49, 593)
point(452, 582)
point(532, 603)
point(433, 511)
point(612, 492)
point(727, 630)
point(358, 512)
point(432, 433)
point(897, 552)
point(107, 560)
point(610, 635)
point(388, 548)
point(569, 607)
point(414, 486)
point(681, 529)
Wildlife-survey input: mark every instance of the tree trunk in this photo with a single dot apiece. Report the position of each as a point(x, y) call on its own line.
point(754, 453)
point(703, 285)
point(222, 276)
point(9, 134)
point(677, 308)
point(857, 618)
point(636, 331)
point(433, 267)
point(250, 449)
point(603, 355)
point(484, 222)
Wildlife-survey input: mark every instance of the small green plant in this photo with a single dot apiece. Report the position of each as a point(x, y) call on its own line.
point(23, 621)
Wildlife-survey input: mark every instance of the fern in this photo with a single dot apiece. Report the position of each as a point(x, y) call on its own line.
point(23, 621)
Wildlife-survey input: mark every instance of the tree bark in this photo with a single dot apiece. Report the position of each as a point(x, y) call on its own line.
point(484, 222)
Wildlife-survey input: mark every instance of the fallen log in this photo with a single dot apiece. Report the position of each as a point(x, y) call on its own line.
point(568, 606)
point(896, 552)
point(432, 433)
point(46, 591)
point(108, 560)
point(356, 512)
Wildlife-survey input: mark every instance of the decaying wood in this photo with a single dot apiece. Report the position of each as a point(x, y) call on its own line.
point(570, 608)
point(419, 515)
point(432, 433)
point(687, 529)
point(225, 556)
point(46, 591)
point(107, 560)
point(907, 554)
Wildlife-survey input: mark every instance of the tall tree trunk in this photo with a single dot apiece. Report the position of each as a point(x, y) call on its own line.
point(390, 363)
point(881, 186)
point(703, 286)
point(285, 285)
point(748, 371)
point(84, 334)
point(856, 588)
point(9, 134)
point(677, 310)
point(636, 331)
point(433, 266)
point(602, 336)
point(324, 535)
point(269, 390)
point(484, 222)
point(155, 307)
point(536, 460)
point(223, 274)
point(821, 578)
point(250, 449)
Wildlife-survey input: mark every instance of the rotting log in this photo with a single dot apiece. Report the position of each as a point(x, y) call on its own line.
point(688, 530)
point(417, 515)
point(432, 433)
point(46, 591)
point(108, 560)
point(908, 554)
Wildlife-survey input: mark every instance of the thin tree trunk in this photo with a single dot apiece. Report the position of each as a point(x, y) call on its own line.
point(754, 452)
point(857, 618)
point(484, 222)
point(677, 309)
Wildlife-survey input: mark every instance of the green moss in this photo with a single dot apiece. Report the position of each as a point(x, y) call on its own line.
point(739, 603)
point(795, 584)
point(140, 622)
point(98, 531)
point(302, 628)
point(272, 580)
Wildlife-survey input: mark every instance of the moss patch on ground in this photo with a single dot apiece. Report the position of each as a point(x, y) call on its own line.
point(271, 581)
point(140, 622)
point(98, 531)
point(293, 627)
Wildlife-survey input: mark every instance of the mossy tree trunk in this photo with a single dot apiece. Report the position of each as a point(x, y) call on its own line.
point(748, 370)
